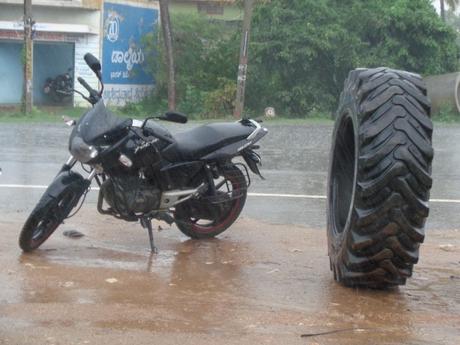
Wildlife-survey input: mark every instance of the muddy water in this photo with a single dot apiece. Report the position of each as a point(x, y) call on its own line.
point(258, 283)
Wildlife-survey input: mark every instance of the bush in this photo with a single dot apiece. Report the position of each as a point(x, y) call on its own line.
point(206, 54)
point(302, 50)
point(222, 100)
point(300, 54)
point(447, 113)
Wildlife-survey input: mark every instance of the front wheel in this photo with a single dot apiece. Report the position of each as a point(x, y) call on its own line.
point(208, 216)
point(46, 217)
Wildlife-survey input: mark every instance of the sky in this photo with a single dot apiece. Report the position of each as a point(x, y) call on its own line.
point(437, 5)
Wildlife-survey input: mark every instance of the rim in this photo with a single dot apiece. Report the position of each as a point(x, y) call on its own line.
point(230, 186)
point(51, 219)
point(343, 174)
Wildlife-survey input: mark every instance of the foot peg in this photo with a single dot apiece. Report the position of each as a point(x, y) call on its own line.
point(165, 217)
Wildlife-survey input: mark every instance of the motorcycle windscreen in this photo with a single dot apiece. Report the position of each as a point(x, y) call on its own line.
point(98, 125)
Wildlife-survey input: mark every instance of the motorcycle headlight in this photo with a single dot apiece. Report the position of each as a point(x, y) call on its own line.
point(81, 151)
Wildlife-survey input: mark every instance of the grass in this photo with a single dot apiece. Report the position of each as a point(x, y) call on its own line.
point(446, 114)
point(37, 116)
point(446, 118)
point(42, 115)
point(55, 114)
point(315, 120)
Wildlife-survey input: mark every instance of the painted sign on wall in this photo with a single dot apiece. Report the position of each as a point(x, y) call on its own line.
point(123, 56)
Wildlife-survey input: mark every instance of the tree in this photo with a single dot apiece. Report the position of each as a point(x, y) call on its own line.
point(302, 51)
point(167, 38)
point(243, 65)
point(27, 100)
point(206, 59)
point(451, 3)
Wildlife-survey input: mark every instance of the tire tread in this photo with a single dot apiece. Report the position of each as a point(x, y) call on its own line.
point(393, 179)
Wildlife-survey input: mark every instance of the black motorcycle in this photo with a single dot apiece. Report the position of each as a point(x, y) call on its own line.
point(60, 88)
point(145, 173)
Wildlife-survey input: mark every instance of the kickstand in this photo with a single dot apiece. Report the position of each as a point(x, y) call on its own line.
point(147, 224)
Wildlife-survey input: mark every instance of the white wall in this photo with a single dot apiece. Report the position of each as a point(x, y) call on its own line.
point(60, 15)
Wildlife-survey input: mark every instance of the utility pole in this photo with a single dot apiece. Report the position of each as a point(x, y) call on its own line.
point(167, 37)
point(243, 66)
point(28, 57)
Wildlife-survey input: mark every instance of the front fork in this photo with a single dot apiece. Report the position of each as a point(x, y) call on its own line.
point(70, 164)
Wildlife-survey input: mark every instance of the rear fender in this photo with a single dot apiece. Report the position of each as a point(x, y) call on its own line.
point(253, 160)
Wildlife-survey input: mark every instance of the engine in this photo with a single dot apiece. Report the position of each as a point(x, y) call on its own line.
point(130, 194)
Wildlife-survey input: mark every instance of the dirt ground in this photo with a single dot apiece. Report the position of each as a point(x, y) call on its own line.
point(257, 284)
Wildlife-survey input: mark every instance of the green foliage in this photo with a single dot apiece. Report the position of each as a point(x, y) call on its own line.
point(300, 54)
point(149, 106)
point(39, 115)
point(206, 58)
point(453, 20)
point(447, 114)
point(302, 50)
point(222, 99)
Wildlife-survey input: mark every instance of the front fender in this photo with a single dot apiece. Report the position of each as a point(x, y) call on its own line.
point(68, 181)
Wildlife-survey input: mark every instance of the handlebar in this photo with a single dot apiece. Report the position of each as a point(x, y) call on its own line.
point(86, 86)
point(93, 94)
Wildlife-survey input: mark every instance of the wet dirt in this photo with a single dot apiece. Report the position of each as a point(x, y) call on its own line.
point(257, 283)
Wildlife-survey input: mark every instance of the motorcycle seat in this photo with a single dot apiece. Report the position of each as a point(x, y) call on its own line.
point(196, 143)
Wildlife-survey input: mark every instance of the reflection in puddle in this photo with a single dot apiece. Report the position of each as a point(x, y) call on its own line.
point(190, 284)
point(248, 283)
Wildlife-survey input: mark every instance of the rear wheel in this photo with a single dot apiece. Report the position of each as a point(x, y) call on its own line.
point(379, 178)
point(208, 216)
point(49, 213)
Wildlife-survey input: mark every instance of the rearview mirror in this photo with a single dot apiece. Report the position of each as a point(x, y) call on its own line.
point(93, 63)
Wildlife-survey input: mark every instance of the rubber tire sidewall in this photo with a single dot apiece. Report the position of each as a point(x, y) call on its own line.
point(348, 109)
point(38, 212)
point(187, 230)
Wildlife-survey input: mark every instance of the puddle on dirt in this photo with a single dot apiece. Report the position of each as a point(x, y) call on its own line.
point(245, 283)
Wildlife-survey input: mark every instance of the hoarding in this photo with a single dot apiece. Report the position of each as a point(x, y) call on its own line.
point(123, 57)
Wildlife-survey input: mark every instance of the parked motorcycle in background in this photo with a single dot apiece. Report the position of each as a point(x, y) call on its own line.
point(60, 88)
point(145, 173)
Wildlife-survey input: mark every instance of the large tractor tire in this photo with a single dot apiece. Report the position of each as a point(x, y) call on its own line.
point(379, 178)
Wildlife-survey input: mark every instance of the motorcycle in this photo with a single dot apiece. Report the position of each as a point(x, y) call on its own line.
point(145, 173)
point(60, 88)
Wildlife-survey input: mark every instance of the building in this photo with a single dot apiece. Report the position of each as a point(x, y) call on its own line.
point(64, 31)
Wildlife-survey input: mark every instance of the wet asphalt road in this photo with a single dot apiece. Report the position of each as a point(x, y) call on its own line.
point(265, 281)
point(295, 161)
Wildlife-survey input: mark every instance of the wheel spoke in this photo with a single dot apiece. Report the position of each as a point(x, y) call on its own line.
point(219, 210)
